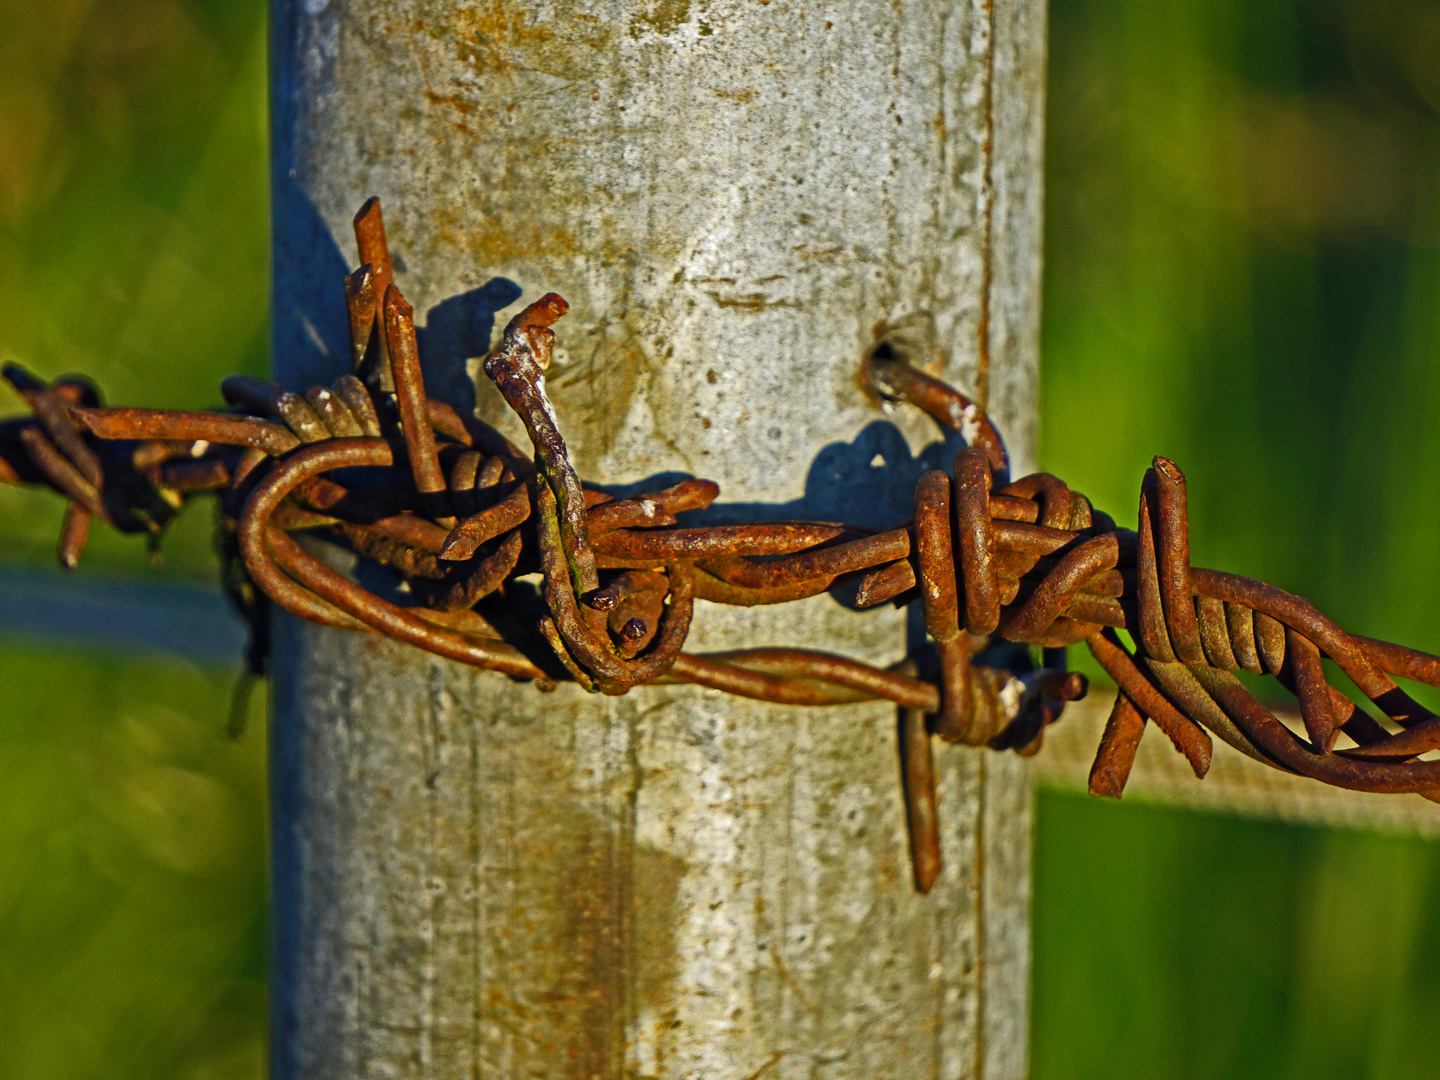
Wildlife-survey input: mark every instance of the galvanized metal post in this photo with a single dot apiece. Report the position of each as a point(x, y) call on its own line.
point(472, 878)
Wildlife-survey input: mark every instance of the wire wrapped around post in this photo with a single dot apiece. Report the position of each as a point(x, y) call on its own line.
point(462, 515)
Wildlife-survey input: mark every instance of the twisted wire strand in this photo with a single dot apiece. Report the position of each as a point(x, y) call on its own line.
point(461, 513)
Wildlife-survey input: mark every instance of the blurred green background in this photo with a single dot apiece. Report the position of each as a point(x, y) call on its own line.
point(1242, 274)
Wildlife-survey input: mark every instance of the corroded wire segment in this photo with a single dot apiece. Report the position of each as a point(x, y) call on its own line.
point(463, 516)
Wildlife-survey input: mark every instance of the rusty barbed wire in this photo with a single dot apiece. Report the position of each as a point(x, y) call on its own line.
point(461, 513)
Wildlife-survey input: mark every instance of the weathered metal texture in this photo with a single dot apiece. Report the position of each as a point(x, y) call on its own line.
point(472, 878)
point(1034, 562)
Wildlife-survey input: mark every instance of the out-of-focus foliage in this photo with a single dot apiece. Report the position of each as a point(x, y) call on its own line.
point(1171, 945)
point(132, 883)
point(1243, 274)
point(134, 240)
point(134, 231)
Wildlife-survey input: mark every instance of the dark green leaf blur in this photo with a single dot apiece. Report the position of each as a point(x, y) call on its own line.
point(1243, 274)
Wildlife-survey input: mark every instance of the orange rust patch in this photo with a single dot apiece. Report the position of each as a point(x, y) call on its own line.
point(455, 101)
point(494, 244)
point(503, 38)
point(660, 17)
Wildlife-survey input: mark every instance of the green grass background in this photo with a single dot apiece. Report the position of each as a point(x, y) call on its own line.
point(1242, 274)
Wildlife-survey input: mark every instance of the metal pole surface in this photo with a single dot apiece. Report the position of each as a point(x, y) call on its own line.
point(475, 879)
